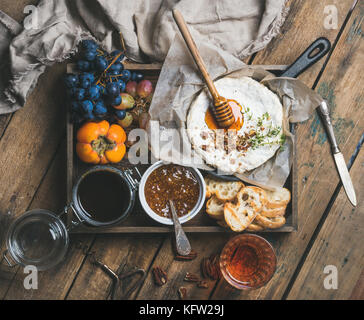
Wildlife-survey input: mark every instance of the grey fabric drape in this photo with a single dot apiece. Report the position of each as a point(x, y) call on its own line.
point(53, 30)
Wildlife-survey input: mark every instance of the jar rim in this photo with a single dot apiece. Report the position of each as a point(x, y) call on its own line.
point(80, 211)
point(59, 231)
point(164, 220)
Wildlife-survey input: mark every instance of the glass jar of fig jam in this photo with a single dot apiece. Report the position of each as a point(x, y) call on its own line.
point(248, 261)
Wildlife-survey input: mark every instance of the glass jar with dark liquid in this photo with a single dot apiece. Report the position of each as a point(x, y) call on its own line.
point(248, 261)
point(102, 196)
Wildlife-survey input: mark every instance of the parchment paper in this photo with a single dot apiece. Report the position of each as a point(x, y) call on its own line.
point(179, 84)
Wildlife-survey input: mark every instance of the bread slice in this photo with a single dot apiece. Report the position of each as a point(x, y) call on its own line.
point(272, 213)
point(271, 223)
point(254, 227)
point(255, 197)
point(278, 198)
point(239, 218)
point(215, 208)
point(223, 190)
point(250, 201)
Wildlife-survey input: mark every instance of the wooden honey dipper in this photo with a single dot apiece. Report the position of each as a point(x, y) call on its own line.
point(221, 109)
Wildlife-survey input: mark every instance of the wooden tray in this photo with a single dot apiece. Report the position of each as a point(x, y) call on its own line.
point(139, 221)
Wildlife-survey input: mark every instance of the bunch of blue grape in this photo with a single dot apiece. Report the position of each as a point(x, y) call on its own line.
point(96, 87)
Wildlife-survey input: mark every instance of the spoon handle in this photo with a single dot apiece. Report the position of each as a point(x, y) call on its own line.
point(194, 51)
point(182, 244)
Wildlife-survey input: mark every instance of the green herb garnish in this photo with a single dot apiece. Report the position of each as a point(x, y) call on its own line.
point(260, 139)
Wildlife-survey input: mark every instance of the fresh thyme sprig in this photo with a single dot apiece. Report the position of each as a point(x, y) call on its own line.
point(260, 139)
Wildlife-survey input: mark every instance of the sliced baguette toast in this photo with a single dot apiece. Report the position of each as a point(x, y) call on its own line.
point(270, 223)
point(215, 208)
point(250, 201)
point(223, 190)
point(278, 198)
point(253, 196)
point(272, 213)
point(255, 227)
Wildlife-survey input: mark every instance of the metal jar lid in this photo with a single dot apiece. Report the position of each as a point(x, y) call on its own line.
point(38, 238)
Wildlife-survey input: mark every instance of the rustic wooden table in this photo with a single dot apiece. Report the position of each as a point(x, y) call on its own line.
point(330, 230)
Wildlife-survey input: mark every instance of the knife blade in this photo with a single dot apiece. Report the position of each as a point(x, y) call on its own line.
point(345, 177)
point(338, 156)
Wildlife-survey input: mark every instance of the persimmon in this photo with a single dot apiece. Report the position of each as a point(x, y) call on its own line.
point(101, 143)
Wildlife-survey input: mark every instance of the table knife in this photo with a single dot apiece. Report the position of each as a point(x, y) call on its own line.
point(338, 156)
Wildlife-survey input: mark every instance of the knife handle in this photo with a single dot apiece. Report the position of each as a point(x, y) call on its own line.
point(325, 116)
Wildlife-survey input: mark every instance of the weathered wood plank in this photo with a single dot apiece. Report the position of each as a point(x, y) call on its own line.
point(358, 291)
point(272, 55)
point(341, 84)
point(161, 230)
point(292, 58)
point(204, 245)
point(14, 9)
point(303, 25)
point(54, 283)
point(121, 247)
point(138, 66)
point(156, 67)
point(28, 146)
point(338, 244)
point(121, 254)
point(4, 121)
point(276, 53)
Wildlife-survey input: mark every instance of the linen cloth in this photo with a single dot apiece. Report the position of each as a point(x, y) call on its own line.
point(55, 27)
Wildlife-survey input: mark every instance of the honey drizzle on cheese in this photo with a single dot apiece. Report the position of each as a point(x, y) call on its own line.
point(238, 116)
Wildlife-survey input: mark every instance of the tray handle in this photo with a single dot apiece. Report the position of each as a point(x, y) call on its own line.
point(312, 54)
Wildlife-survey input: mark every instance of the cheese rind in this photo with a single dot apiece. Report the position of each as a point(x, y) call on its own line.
point(263, 114)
